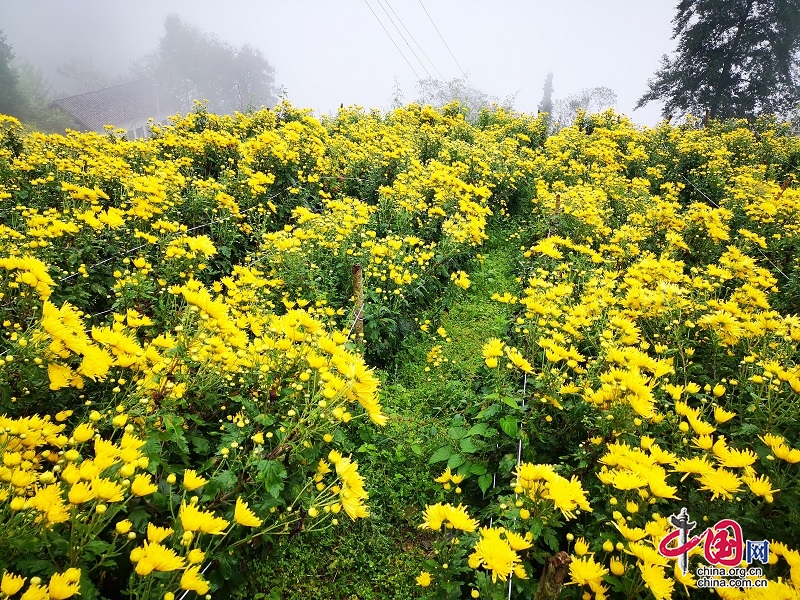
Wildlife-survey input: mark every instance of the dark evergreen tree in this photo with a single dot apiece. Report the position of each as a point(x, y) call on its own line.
point(735, 58)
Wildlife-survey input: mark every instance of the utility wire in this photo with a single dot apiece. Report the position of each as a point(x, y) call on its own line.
point(393, 42)
point(445, 43)
point(415, 41)
point(403, 37)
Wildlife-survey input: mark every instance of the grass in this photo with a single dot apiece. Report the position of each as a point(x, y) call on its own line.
point(380, 557)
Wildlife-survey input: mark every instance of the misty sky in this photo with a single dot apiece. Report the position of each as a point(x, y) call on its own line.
point(330, 52)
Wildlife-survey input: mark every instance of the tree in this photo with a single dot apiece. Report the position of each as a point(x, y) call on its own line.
point(735, 58)
point(9, 93)
point(546, 105)
point(35, 98)
point(591, 100)
point(191, 64)
point(397, 95)
point(438, 93)
point(84, 74)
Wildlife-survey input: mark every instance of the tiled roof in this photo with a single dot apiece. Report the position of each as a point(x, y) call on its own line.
point(118, 105)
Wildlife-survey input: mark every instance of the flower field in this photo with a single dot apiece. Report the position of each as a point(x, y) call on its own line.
point(563, 341)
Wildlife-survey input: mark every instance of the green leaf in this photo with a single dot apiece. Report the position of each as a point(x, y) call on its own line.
point(454, 461)
point(441, 454)
point(489, 412)
point(509, 426)
point(415, 448)
point(467, 445)
point(457, 433)
point(550, 539)
point(225, 480)
point(485, 482)
point(96, 547)
point(272, 473)
point(479, 429)
point(138, 516)
point(199, 443)
point(510, 401)
point(535, 526)
point(173, 425)
point(477, 469)
point(35, 566)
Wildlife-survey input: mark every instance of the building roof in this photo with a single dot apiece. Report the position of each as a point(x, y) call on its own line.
point(118, 105)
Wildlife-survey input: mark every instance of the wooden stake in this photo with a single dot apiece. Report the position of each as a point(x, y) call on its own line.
point(358, 294)
point(555, 570)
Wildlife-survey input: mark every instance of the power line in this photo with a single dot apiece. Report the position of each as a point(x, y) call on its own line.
point(401, 35)
point(393, 42)
point(445, 43)
point(415, 41)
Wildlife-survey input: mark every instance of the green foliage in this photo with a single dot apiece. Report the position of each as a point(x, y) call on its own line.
point(732, 61)
point(191, 64)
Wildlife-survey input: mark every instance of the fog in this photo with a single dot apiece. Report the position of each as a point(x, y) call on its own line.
point(329, 53)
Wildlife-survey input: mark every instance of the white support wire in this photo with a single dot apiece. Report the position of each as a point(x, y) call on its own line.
point(519, 462)
point(711, 200)
point(196, 227)
point(203, 572)
point(358, 315)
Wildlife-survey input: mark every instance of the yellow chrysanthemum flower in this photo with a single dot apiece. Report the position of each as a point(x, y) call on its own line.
point(580, 548)
point(64, 585)
point(107, 490)
point(83, 432)
point(424, 579)
point(244, 516)
point(80, 492)
point(194, 519)
point(10, 584)
point(444, 477)
point(35, 591)
point(721, 483)
point(156, 535)
point(155, 557)
point(142, 485)
point(192, 481)
point(495, 554)
point(657, 582)
point(760, 486)
point(585, 571)
point(722, 416)
point(193, 581)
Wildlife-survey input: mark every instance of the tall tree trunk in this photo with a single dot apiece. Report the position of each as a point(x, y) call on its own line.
point(725, 75)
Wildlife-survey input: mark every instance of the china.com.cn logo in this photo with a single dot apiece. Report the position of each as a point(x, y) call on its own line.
point(723, 543)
